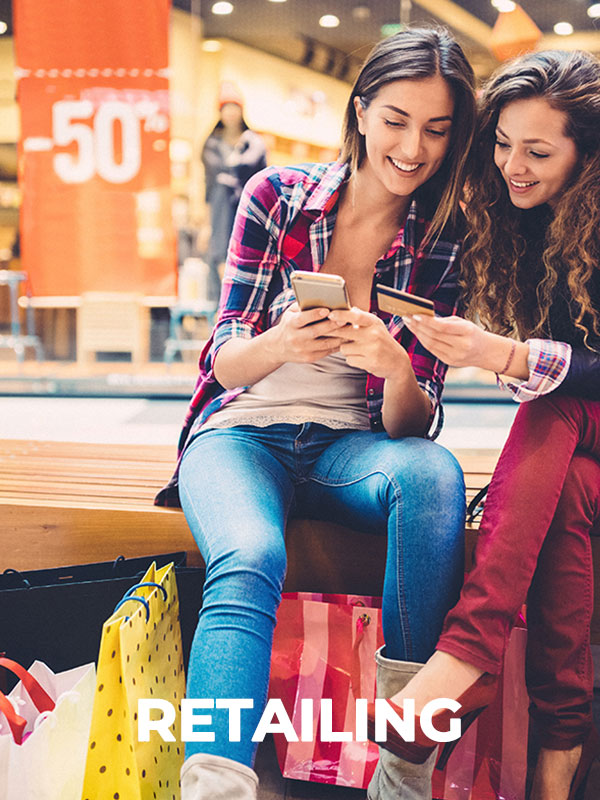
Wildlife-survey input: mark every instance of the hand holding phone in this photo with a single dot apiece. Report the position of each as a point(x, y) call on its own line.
point(320, 290)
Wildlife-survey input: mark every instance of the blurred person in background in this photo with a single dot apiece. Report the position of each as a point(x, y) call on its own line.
point(231, 154)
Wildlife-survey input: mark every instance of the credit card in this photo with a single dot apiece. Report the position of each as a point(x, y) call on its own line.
point(400, 303)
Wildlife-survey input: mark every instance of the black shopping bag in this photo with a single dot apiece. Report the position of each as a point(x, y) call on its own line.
point(56, 615)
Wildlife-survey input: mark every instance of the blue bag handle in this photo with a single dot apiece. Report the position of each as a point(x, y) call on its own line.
point(129, 592)
point(142, 600)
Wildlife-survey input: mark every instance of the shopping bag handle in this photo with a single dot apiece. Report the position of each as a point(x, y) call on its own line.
point(16, 723)
point(142, 600)
point(129, 592)
point(39, 696)
point(11, 571)
point(130, 596)
point(362, 622)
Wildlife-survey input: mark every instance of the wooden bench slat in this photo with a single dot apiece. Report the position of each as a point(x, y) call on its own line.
point(64, 503)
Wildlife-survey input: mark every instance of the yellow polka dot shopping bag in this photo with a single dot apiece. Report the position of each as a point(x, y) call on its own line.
point(140, 658)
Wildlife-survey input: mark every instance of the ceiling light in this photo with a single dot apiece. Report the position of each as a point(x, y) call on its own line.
point(3, 27)
point(211, 46)
point(361, 12)
point(594, 11)
point(504, 6)
point(222, 8)
point(277, 1)
point(329, 21)
point(563, 28)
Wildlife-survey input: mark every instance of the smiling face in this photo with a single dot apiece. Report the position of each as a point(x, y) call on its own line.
point(407, 133)
point(532, 152)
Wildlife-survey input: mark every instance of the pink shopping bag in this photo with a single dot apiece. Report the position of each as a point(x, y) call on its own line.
point(324, 647)
point(490, 761)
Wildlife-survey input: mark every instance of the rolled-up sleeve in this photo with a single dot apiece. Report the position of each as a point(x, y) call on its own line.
point(251, 261)
point(548, 363)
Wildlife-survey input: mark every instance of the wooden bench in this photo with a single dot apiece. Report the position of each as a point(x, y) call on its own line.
point(74, 503)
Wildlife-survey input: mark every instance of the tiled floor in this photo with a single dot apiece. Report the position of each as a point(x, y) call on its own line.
point(136, 421)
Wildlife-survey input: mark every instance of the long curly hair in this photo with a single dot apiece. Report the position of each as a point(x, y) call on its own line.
point(503, 243)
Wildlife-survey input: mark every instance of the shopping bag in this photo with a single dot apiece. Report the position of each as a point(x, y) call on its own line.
point(56, 615)
point(490, 761)
point(140, 658)
point(44, 733)
point(324, 647)
point(313, 652)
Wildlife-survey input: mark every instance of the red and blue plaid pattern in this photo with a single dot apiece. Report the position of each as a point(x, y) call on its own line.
point(284, 222)
point(548, 363)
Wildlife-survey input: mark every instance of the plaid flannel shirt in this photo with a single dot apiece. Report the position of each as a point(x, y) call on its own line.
point(284, 222)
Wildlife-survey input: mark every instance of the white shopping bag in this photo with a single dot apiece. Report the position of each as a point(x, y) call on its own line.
point(49, 763)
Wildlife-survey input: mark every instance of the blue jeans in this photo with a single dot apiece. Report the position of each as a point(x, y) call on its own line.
point(237, 487)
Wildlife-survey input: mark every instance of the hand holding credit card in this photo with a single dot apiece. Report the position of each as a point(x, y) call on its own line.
point(399, 303)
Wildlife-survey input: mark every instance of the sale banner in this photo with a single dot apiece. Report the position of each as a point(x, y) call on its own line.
point(92, 85)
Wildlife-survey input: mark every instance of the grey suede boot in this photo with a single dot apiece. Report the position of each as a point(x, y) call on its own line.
point(394, 778)
point(206, 777)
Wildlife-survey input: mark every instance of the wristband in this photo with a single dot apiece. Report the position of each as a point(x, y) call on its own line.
point(509, 359)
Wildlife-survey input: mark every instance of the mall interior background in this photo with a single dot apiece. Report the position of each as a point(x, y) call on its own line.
point(293, 62)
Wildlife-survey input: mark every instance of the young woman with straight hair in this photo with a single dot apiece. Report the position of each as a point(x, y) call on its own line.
point(327, 414)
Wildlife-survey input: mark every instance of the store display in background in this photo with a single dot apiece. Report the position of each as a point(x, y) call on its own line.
point(94, 149)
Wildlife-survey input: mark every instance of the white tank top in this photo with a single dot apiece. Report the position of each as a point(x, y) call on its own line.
point(329, 392)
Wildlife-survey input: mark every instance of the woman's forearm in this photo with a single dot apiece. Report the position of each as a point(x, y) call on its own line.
point(406, 407)
point(243, 362)
point(298, 336)
point(498, 352)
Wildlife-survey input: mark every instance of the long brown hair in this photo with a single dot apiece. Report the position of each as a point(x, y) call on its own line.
point(414, 54)
point(499, 249)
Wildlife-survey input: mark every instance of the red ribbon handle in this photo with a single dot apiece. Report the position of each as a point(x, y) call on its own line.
point(39, 696)
point(16, 723)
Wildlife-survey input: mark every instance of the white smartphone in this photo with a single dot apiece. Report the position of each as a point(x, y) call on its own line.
point(319, 290)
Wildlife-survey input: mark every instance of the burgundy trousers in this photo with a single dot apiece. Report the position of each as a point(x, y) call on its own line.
point(534, 545)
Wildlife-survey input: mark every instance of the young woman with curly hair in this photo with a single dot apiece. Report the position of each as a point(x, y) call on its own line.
point(531, 272)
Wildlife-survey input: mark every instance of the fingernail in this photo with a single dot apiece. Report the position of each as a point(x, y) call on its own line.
point(417, 318)
point(323, 312)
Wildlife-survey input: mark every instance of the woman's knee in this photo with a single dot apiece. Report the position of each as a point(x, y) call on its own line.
point(429, 482)
point(250, 562)
point(581, 489)
point(436, 472)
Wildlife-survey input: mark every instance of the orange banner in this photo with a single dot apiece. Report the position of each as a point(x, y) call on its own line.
point(94, 150)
